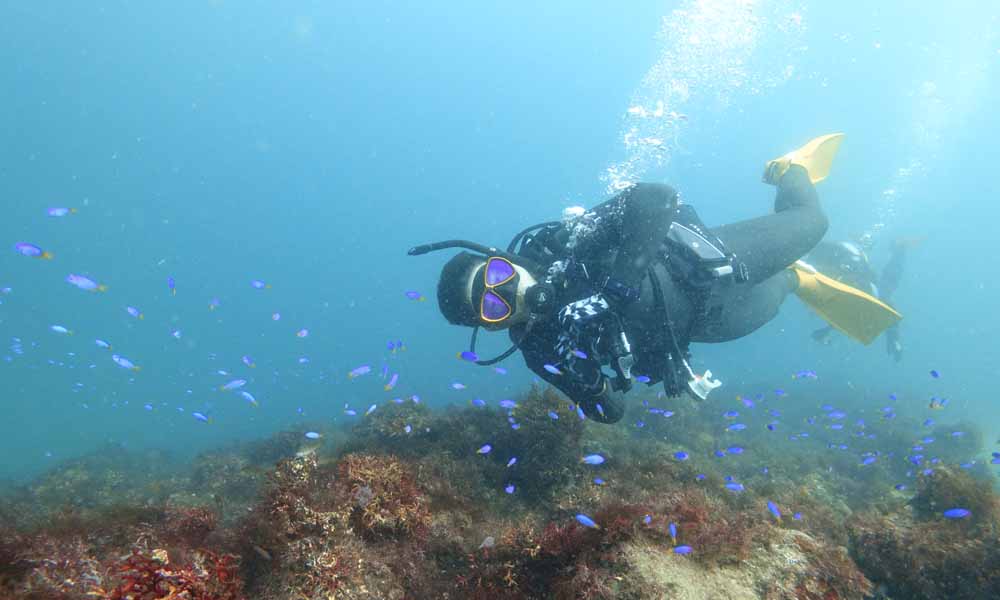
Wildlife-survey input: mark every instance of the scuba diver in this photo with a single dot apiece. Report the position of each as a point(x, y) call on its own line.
point(848, 263)
point(632, 282)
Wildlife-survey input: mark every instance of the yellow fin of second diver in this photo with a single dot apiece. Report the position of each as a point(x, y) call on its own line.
point(816, 157)
point(858, 315)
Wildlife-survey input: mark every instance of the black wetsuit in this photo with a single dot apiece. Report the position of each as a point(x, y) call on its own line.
point(847, 263)
point(623, 239)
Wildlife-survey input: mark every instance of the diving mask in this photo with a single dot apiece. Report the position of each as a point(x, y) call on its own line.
point(496, 289)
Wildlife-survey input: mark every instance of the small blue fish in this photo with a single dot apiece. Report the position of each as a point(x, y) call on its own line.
point(312, 435)
point(553, 415)
point(371, 409)
point(598, 481)
point(773, 508)
point(935, 374)
point(257, 284)
point(512, 462)
point(457, 386)
point(672, 528)
point(85, 283)
point(747, 402)
point(734, 487)
point(736, 427)
point(730, 414)
point(580, 354)
point(31, 251)
point(587, 521)
point(509, 489)
point(735, 450)
point(500, 370)
point(414, 295)
point(956, 513)
point(249, 397)
point(233, 385)
point(600, 409)
point(359, 371)
point(484, 449)
point(469, 356)
point(350, 412)
point(391, 383)
point(647, 519)
point(407, 429)
point(683, 550)
point(148, 406)
point(593, 459)
point(797, 516)
point(135, 312)
point(124, 363)
point(868, 460)
point(508, 404)
point(552, 369)
point(642, 378)
point(199, 416)
point(248, 361)
point(900, 487)
point(700, 477)
point(478, 402)
point(681, 455)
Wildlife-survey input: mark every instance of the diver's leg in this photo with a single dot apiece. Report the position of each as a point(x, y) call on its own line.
point(822, 335)
point(745, 310)
point(893, 345)
point(893, 272)
point(767, 245)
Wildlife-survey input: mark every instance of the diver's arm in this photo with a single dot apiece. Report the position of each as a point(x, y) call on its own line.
point(585, 385)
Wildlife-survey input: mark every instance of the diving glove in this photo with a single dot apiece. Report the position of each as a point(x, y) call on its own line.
point(816, 157)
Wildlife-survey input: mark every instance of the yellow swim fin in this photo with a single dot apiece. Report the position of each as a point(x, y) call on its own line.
point(849, 310)
point(816, 157)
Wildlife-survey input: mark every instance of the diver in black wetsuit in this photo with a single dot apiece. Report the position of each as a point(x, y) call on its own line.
point(632, 282)
point(848, 262)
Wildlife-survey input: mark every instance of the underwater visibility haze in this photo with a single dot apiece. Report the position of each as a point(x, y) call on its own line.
point(223, 375)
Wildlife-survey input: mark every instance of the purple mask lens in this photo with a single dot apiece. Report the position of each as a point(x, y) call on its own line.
point(494, 308)
point(498, 271)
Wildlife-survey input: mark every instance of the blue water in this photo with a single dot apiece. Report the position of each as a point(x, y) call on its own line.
point(310, 146)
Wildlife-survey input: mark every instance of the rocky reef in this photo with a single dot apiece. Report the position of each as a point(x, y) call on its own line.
point(409, 503)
